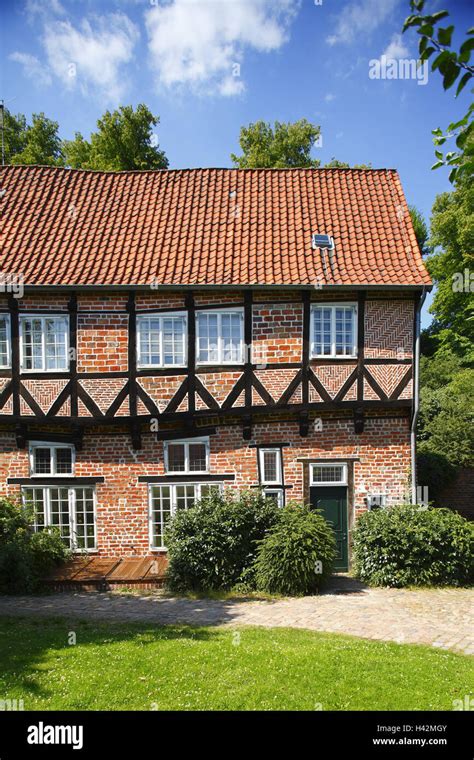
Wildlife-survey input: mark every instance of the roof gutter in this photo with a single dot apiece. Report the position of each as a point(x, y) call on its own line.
point(416, 393)
point(30, 288)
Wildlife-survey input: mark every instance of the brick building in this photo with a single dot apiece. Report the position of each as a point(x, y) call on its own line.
point(163, 333)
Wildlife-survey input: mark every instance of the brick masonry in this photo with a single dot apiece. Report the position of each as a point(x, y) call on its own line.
point(379, 462)
point(378, 459)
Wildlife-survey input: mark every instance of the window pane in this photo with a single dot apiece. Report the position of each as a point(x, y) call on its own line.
point(34, 499)
point(328, 474)
point(84, 522)
point(270, 461)
point(274, 495)
point(160, 514)
point(42, 460)
point(55, 343)
point(176, 457)
point(197, 457)
point(64, 461)
point(173, 340)
point(59, 512)
point(208, 334)
point(185, 496)
point(4, 342)
point(32, 344)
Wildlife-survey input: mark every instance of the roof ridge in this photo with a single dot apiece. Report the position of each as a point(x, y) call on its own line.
point(200, 169)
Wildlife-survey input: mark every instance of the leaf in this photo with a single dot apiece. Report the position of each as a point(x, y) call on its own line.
point(437, 165)
point(463, 81)
point(438, 16)
point(445, 34)
point(426, 53)
point(450, 75)
point(411, 21)
point(426, 29)
point(439, 60)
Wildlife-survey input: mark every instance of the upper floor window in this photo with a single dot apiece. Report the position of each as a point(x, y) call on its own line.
point(4, 340)
point(162, 340)
point(220, 337)
point(187, 456)
point(51, 459)
point(44, 343)
point(334, 330)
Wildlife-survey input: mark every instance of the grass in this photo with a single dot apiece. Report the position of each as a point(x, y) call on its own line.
point(133, 666)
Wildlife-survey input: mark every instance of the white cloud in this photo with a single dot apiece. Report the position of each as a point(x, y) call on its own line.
point(329, 97)
point(42, 9)
point(360, 18)
point(32, 68)
point(396, 49)
point(93, 55)
point(198, 45)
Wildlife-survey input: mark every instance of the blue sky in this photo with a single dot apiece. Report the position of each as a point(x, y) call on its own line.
point(206, 67)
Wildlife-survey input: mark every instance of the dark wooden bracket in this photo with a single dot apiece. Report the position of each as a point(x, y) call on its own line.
point(304, 425)
point(359, 421)
point(247, 428)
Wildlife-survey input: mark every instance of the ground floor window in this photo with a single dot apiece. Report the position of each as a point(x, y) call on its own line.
point(166, 499)
point(274, 494)
point(71, 510)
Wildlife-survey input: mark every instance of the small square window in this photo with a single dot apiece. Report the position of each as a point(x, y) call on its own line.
point(51, 459)
point(187, 456)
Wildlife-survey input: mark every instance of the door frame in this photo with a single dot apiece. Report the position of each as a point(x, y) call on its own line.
point(349, 463)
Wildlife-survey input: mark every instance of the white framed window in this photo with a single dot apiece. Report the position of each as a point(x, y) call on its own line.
point(270, 466)
point(5, 341)
point(162, 340)
point(220, 337)
point(333, 330)
point(51, 458)
point(44, 343)
point(185, 456)
point(166, 499)
point(274, 494)
point(328, 474)
point(71, 510)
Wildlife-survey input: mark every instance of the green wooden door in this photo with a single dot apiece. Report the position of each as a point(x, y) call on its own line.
point(332, 501)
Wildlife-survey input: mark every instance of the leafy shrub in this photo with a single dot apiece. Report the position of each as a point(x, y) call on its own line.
point(297, 555)
point(408, 545)
point(25, 556)
point(211, 544)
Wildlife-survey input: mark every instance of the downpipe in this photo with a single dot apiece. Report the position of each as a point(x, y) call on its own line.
point(416, 393)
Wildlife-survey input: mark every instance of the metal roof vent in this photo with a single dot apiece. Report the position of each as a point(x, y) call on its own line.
point(322, 241)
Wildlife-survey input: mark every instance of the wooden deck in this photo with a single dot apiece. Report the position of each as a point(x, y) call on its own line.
point(106, 573)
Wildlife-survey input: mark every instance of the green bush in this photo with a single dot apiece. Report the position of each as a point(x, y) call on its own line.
point(409, 545)
point(213, 543)
point(298, 553)
point(25, 556)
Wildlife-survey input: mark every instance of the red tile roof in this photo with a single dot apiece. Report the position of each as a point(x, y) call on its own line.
point(206, 226)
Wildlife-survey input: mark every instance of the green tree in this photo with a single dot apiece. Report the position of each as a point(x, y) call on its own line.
point(451, 65)
point(334, 163)
point(451, 265)
point(14, 128)
point(35, 143)
point(421, 230)
point(124, 141)
point(285, 145)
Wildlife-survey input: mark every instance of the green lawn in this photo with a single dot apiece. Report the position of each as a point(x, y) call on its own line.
point(141, 667)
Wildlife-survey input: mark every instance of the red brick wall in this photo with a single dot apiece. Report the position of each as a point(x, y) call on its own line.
point(277, 333)
point(381, 461)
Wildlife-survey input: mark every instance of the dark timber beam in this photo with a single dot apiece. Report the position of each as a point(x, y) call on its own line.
point(306, 297)
point(248, 371)
point(15, 332)
point(360, 346)
point(135, 430)
point(72, 307)
point(191, 351)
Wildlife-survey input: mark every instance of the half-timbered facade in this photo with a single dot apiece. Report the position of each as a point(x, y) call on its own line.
point(165, 333)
